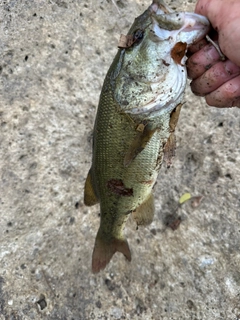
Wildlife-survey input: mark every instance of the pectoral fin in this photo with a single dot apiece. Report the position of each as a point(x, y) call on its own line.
point(143, 215)
point(143, 136)
point(90, 198)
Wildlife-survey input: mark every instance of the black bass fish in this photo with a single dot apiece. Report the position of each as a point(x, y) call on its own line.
point(134, 127)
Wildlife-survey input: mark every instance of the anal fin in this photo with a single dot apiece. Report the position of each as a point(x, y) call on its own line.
point(144, 214)
point(90, 198)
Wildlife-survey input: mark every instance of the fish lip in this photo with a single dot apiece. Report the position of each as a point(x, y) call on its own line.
point(159, 7)
point(182, 26)
point(194, 23)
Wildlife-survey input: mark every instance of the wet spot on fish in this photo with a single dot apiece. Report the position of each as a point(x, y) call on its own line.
point(178, 52)
point(117, 186)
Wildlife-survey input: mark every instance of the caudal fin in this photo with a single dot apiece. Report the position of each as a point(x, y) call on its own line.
point(104, 250)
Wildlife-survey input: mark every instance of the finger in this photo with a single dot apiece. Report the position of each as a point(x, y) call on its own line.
point(202, 6)
point(201, 61)
point(224, 17)
point(228, 95)
point(196, 47)
point(216, 76)
point(200, 44)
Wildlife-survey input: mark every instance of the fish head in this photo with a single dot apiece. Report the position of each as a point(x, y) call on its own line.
point(151, 73)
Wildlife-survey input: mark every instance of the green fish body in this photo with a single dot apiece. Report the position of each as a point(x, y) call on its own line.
point(134, 126)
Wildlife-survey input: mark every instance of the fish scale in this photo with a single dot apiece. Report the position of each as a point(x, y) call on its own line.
point(111, 148)
point(134, 127)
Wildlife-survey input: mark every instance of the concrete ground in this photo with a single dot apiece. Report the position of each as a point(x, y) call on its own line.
point(53, 58)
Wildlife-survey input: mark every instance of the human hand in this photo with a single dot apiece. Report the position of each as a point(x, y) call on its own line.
point(217, 80)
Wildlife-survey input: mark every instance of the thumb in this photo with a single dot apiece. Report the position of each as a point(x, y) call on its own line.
point(224, 17)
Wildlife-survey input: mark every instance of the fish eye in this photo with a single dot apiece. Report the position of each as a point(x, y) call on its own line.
point(138, 35)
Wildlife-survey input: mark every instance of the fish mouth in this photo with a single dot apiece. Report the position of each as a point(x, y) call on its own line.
point(177, 30)
point(195, 27)
point(186, 27)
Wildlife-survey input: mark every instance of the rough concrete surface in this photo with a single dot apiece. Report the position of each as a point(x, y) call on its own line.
point(53, 58)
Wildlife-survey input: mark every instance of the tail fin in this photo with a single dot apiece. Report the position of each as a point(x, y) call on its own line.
point(104, 250)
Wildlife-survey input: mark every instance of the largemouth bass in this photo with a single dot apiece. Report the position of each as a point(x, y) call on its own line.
point(134, 127)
